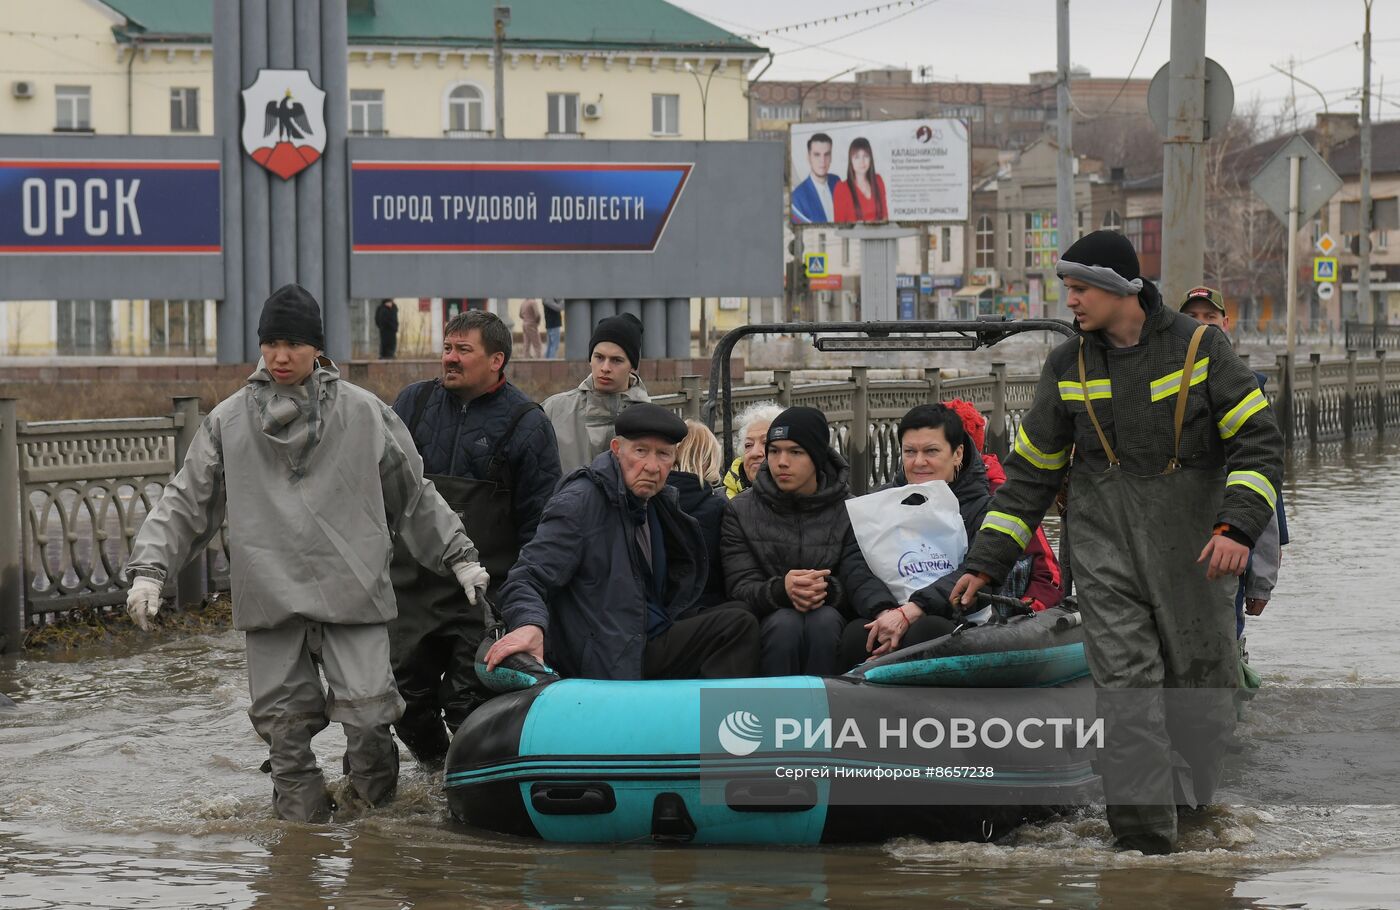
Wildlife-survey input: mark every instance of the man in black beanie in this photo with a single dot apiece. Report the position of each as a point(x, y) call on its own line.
point(1177, 462)
point(583, 417)
point(291, 314)
point(315, 476)
point(790, 553)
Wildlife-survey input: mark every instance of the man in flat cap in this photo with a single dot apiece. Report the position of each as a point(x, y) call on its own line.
point(608, 586)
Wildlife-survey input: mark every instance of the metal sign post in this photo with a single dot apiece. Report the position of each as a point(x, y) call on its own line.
point(1294, 167)
point(1294, 183)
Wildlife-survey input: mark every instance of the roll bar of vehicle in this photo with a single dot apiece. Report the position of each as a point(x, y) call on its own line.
point(932, 335)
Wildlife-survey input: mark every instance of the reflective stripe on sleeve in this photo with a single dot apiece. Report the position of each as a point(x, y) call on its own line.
point(1046, 461)
point(1071, 390)
point(1256, 482)
point(1009, 525)
point(1250, 405)
point(1170, 384)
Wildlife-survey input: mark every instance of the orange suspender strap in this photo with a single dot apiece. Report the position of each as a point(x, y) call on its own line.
point(1094, 418)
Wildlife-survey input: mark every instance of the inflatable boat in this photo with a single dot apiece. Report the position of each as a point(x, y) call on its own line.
point(761, 761)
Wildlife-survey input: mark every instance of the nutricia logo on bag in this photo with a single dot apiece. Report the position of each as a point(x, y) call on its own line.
point(924, 560)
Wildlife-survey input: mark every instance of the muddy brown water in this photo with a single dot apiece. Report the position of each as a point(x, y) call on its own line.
point(128, 779)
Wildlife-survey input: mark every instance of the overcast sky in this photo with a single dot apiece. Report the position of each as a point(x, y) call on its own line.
point(1005, 40)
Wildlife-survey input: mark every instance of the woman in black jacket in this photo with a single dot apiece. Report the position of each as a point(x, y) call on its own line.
point(789, 552)
point(696, 479)
point(934, 445)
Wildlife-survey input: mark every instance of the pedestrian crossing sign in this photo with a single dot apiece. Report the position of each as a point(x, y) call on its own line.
point(815, 264)
point(1324, 268)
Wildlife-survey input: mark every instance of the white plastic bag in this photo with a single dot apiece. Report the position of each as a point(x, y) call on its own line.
point(911, 536)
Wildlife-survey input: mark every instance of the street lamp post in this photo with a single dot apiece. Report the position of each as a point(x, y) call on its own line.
point(704, 96)
point(500, 16)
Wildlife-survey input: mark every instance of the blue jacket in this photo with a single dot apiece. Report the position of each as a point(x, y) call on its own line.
point(807, 205)
point(581, 581)
point(457, 439)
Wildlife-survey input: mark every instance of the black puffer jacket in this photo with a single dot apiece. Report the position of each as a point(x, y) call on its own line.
point(700, 501)
point(457, 439)
point(766, 533)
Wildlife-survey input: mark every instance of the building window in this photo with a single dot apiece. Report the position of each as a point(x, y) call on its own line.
point(946, 238)
point(1010, 240)
point(466, 109)
point(84, 326)
point(184, 110)
point(971, 112)
point(843, 112)
point(563, 113)
point(985, 243)
point(367, 112)
point(364, 337)
point(177, 328)
point(845, 251)
point(1151, 235)
point(1112, 221)
point(74, 109)
point(779, 112)
point(1134, 233)
point(665, 115)
point(1042, 239)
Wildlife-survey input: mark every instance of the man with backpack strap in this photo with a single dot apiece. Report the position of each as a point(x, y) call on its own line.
point(491, 452)
point(1177, 461)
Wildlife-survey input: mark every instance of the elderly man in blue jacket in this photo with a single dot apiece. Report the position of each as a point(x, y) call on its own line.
point(606, 589)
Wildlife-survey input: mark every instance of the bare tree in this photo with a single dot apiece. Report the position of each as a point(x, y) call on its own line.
point(1244, 242)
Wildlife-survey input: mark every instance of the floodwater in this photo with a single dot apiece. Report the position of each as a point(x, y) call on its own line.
point(129, 779)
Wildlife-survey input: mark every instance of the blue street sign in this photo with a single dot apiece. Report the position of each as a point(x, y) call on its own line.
point(484, 206)
point(109, 206)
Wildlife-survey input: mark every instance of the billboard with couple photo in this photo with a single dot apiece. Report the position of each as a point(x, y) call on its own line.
point(875, 171)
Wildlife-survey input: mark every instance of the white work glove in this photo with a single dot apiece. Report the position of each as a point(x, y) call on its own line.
point(143, 601)
point(473, 578)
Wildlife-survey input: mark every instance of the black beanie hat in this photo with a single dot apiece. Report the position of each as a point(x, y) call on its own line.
point(1108, 249)
point(625, 331)
point(291, 314)
point(805, 426)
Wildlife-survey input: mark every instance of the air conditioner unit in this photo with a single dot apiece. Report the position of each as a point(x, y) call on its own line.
point(22, 89)
point(592, 110)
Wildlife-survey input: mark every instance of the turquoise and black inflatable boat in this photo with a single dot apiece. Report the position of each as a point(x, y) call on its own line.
point(703, 761)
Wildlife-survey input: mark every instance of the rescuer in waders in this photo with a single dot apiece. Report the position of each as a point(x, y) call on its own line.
point(1176, 466)
point(315, 475)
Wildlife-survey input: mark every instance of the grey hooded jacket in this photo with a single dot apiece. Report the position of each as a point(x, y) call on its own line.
point(583, 419)
point(314, 478)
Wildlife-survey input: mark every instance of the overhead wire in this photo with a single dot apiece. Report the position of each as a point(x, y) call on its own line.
point(1129, 78)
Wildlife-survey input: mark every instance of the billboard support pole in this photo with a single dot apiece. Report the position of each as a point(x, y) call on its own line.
point(879, 261)
point(1184, 163)
point(1064, 173)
